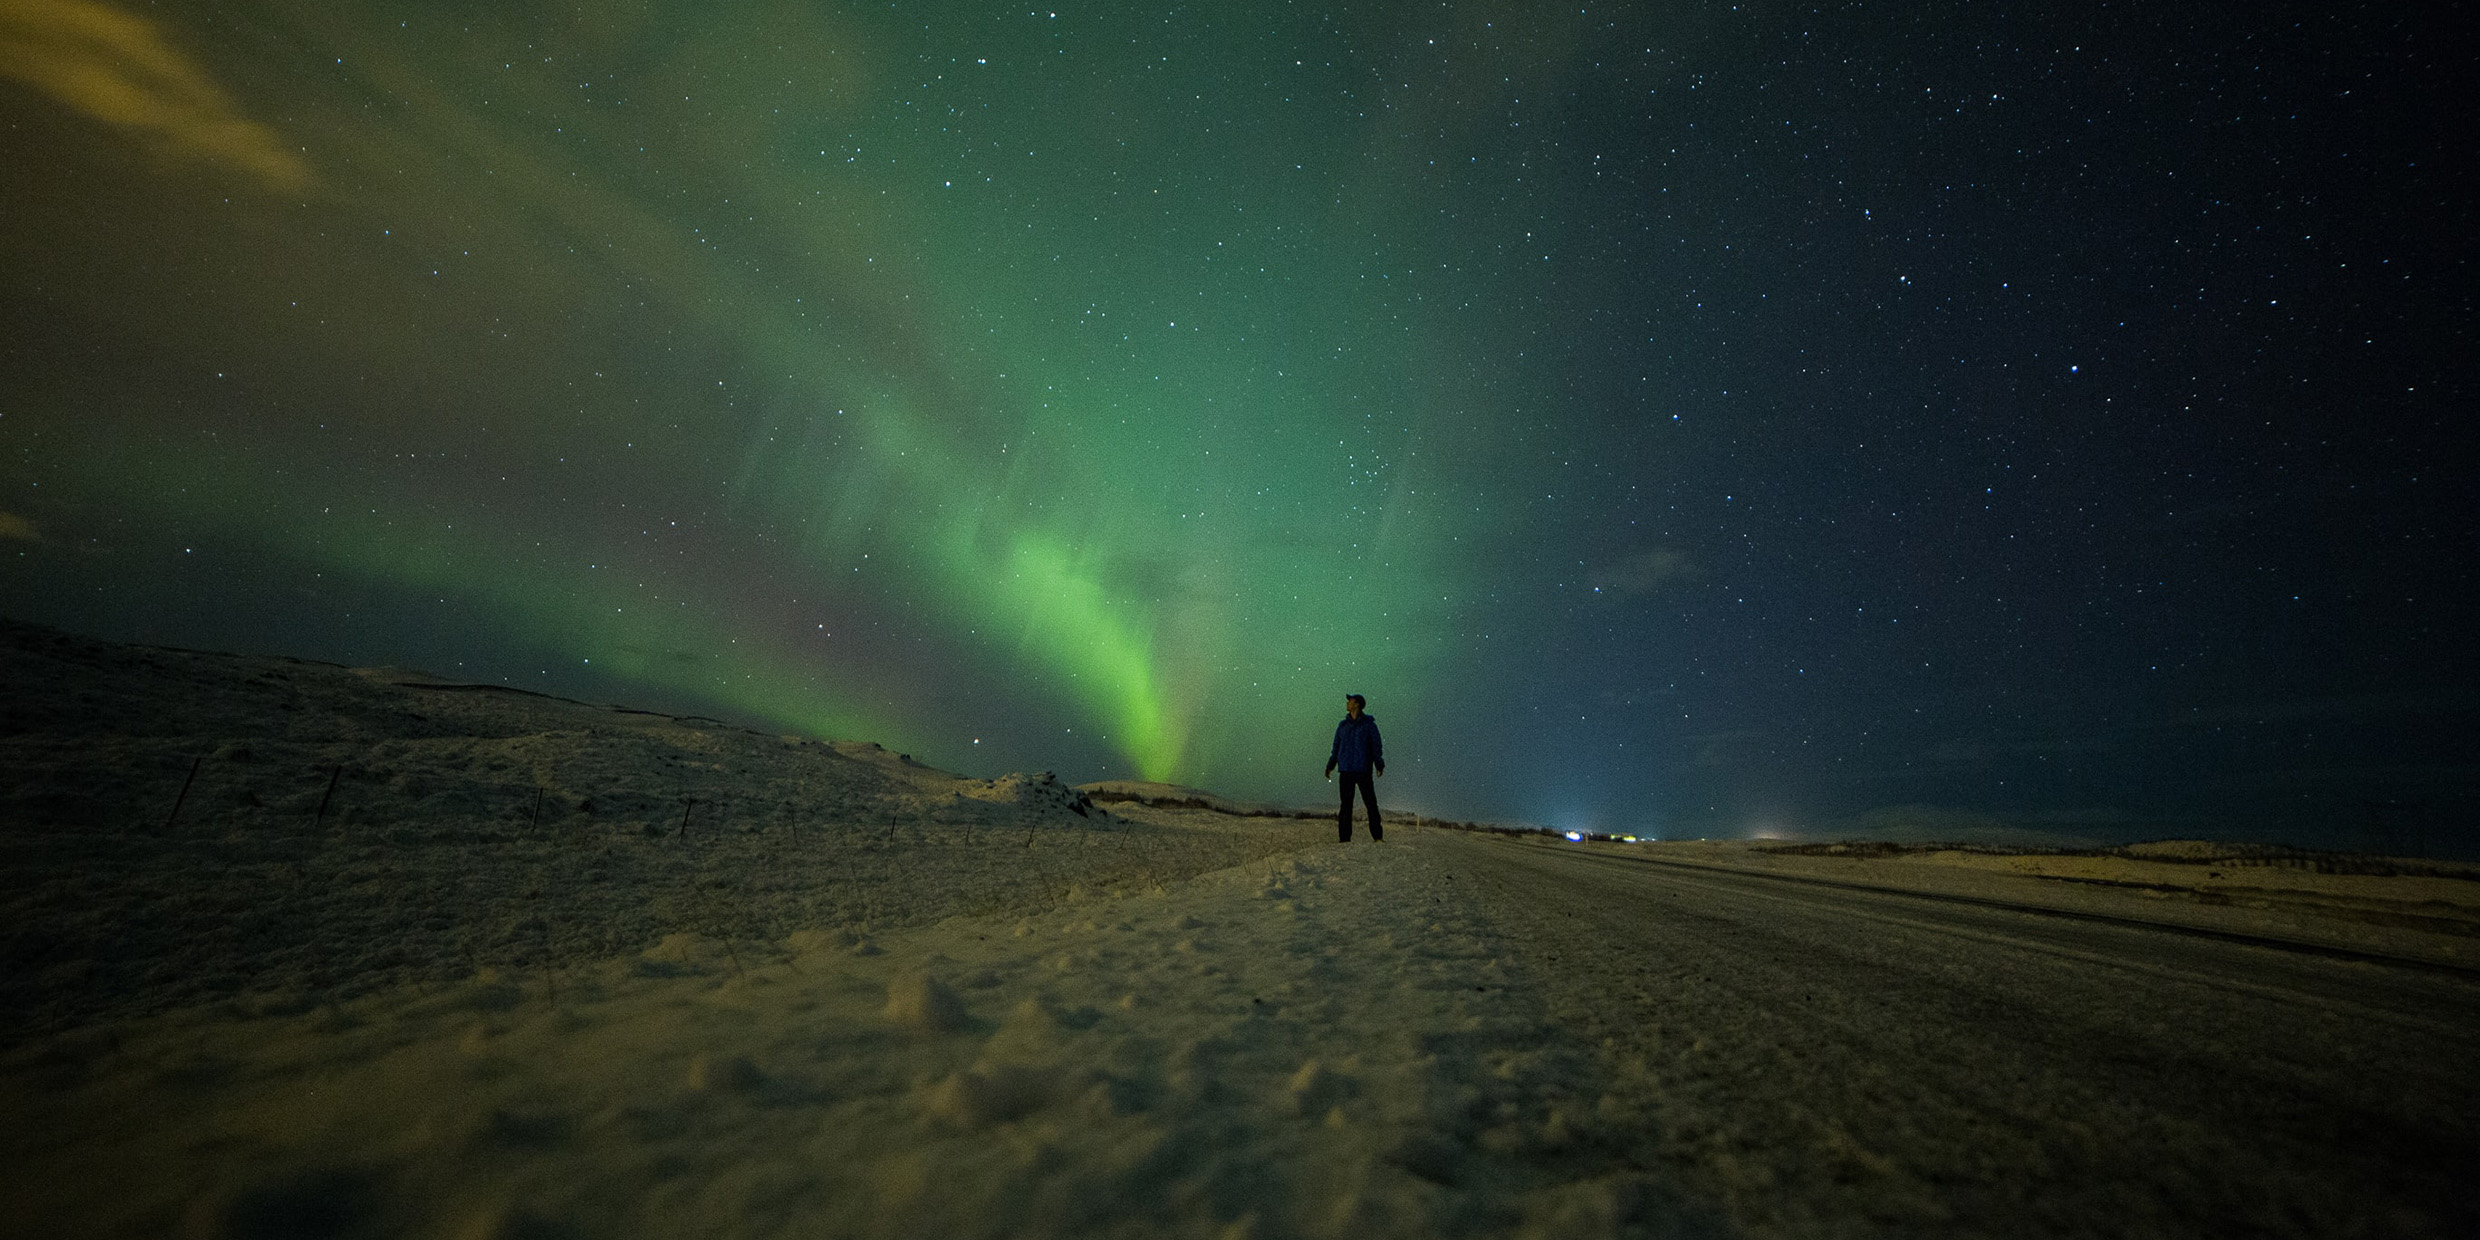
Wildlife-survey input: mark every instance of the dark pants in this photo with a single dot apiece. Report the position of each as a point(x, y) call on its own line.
point(1369, 797)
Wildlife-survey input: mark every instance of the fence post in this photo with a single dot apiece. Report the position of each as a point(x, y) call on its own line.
point(176, 801)
point(321, 817)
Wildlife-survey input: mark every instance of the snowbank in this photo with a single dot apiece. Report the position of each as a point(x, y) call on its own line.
point(180, 828)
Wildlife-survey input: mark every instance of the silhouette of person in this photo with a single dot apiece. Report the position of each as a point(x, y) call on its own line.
point(1362, 757)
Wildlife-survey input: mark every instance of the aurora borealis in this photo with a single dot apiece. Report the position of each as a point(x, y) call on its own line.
point(1673, 417)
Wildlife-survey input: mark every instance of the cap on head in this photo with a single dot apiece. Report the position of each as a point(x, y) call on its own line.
point(1356, 699)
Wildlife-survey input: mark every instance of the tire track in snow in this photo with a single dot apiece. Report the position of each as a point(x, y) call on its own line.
point(1823, 1066)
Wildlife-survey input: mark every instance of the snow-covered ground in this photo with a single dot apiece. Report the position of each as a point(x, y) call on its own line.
point(1320, 1044)
point(1872, 1058)
point(183, 828)
point(859, 997)
point(2388, 906)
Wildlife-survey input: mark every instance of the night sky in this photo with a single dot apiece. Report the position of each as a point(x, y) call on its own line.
point(1683, 419)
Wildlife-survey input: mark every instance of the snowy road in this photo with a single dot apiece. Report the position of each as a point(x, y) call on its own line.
point(1445, 1035)
point(1821, 1060)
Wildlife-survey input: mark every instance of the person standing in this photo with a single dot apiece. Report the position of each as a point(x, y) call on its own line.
point(1362, 757)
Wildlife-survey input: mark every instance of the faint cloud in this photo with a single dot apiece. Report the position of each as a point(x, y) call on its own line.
point(2063, 746)
point(117, 69)
point(2354, 707)
point(13, 526)
point(1647, 571)
point(1721, 749)
point(1959, 753)
point(2402, 777)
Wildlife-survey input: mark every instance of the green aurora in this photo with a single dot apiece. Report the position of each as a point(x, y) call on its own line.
point(1123, 363)
point(1694, 417)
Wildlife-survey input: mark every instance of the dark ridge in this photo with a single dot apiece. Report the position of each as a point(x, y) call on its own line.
point(2174, 852)
point(483, 688)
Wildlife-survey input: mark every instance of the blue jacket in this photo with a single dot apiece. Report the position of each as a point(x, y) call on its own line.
point(1357, 747)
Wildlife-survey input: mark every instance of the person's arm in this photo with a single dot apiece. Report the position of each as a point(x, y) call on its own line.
point(1377, 751)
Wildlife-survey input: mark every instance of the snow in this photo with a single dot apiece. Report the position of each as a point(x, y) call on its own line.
point(473, 827)
point(1296, 1046)
point(491, 986)
point(2400, 907)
